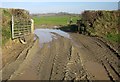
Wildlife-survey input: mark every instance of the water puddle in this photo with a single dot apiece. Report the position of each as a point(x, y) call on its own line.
point(46, 35)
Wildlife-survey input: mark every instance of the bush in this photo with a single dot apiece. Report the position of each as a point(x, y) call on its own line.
point(6, 21)
point(102, 23)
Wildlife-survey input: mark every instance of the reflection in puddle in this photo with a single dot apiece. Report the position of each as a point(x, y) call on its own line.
point(46, 35)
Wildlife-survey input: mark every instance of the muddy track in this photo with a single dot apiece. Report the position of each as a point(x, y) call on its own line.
point(102, 53)
point(78, 58)
point(14, 60)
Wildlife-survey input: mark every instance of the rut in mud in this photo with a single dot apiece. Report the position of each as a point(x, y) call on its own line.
point(77, 57)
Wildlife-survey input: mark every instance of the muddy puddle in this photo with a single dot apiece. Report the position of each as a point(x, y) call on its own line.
point(46, 35)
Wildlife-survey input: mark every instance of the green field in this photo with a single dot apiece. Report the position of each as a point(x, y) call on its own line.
point(54, 20)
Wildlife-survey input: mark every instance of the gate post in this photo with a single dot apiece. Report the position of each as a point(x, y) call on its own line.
point(32, 26)
point(12, 27)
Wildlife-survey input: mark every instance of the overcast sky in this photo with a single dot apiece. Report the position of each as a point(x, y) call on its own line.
point(54, 7)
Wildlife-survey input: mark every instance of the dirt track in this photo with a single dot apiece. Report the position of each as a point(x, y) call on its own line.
point(78, 58)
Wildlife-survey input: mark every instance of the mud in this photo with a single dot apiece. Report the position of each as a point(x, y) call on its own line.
point(79, 57)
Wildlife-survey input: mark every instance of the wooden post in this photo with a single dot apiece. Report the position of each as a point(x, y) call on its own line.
point(32, 26)
point(12, 27)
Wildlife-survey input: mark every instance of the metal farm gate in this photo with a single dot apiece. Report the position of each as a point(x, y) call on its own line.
point(20, 27)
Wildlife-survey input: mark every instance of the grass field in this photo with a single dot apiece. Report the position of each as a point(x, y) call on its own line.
point(54, 20)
